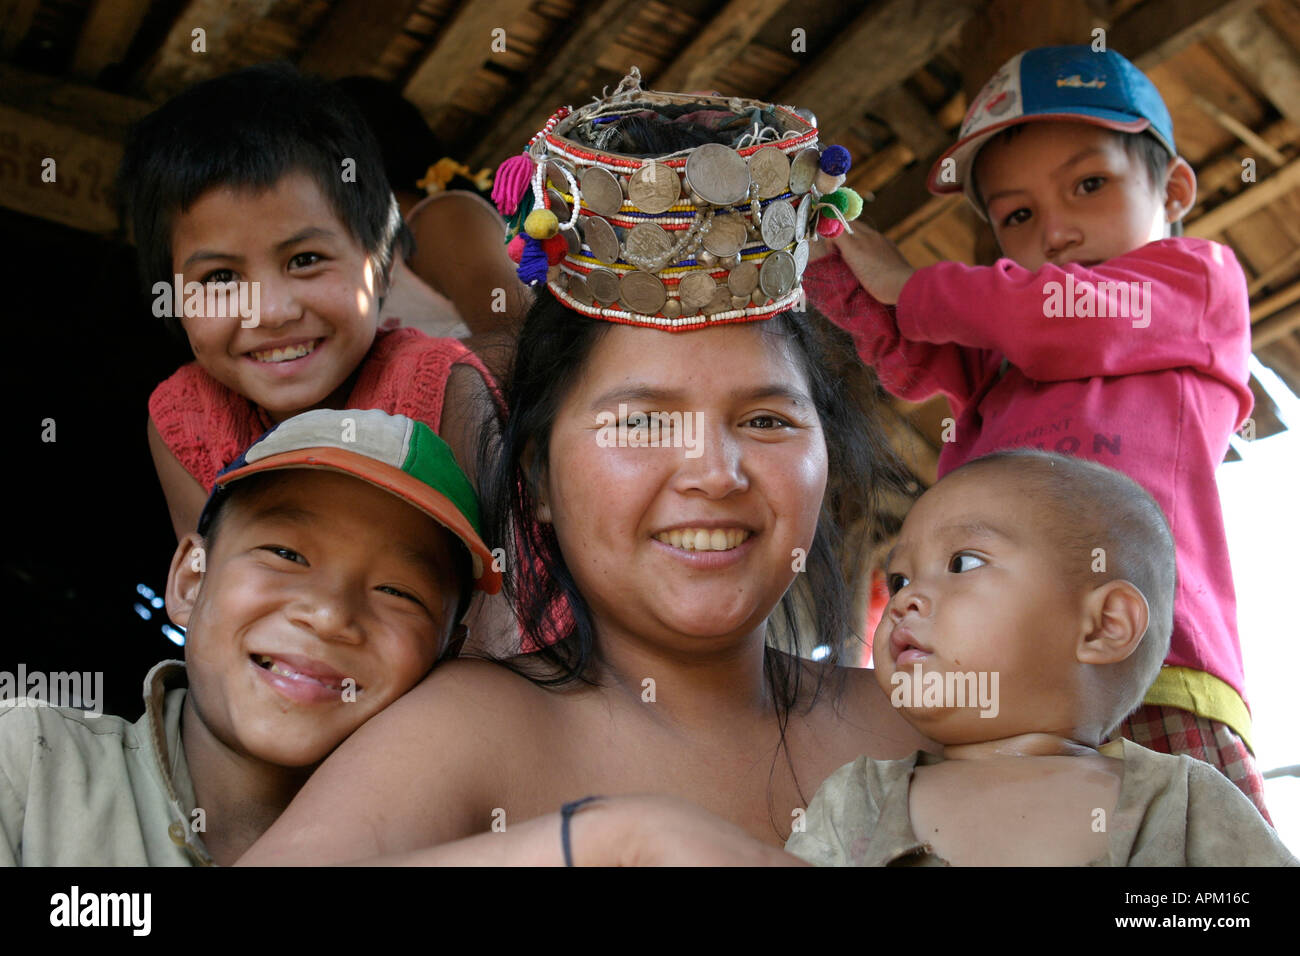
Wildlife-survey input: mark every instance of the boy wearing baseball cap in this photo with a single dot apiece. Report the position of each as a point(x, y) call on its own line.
point(328, 574)
point(1100, 334)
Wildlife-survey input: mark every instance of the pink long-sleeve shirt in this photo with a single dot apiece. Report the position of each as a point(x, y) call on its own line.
point(1154, 395)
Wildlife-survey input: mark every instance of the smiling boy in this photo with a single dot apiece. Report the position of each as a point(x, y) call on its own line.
point(1100, 334)
point(267, 185)
point(329, 573)
point(995, 573)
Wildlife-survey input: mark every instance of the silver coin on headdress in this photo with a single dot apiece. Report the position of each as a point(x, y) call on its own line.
point(601, 191)
point(743, 279)
point(696, 290)
point(555, 178)
point(800, 256)
point(726, 235)
point(642, 292)
point(578, 289)
point(646, 244)
point(803, 170)
point(573, 239)
point(600, 238)
point(801, 216)
point(603, 285)
point(717, 174)
point(770, 170)
point(720, 302)
point(777, 224)
point(654, 188)
point(558, 205)
point(777, 276)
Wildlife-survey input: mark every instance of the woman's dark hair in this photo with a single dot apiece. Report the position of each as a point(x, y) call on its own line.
point(408, 146)
point(248, 129)
point(554, 346)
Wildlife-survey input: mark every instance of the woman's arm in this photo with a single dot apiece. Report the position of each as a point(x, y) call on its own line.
point(185, 496)
point(433, 767)
point(614, 831)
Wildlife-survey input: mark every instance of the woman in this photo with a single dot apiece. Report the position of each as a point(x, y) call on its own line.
point(646, 563)
point(675, 690)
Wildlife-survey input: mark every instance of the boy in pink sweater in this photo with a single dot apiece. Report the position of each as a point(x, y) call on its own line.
point(1098, 335)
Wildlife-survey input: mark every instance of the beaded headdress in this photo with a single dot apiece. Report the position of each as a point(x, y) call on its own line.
point(716, 231)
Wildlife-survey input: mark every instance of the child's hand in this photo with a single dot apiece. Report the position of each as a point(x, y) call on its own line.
point(876, 261)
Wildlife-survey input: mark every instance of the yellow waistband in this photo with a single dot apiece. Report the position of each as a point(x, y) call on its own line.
point(1204, 695)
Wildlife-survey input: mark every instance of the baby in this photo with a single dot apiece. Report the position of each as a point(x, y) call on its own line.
point(1102, 334)
point(1049, 582)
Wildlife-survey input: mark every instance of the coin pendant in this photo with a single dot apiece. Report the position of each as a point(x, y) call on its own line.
point(770, 170)
point(778, 224)
point(603, 285)
point(654, 188)
point(600, 238)
point(641, 292)
point(776, 277)
point(718, 174)
point(601, 191)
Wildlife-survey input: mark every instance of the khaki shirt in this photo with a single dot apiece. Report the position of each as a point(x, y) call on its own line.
point(1171, 811)
point(78, 790)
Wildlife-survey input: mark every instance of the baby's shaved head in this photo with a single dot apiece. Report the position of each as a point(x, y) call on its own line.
point(1108, 528)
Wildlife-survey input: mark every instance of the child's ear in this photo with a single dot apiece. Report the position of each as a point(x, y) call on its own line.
point(1117, 615)
point(185, 577)
point(1180, 189)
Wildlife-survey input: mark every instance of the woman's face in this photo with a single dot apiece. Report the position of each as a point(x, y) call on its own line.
point(685, 528)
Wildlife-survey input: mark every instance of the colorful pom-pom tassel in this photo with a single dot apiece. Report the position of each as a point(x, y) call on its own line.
point(532, 263)
point(846, 200)
point(541, 224)
point(835, 160)
point(515, 248)
point(512, 182)
point(556, 248)
point(829, 226)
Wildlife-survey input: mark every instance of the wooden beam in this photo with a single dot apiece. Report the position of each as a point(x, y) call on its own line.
point(894, 38)
point(73, 105)
point(1157, 29)
point(1275, 302)
point(1274, 272)
point(1240, 130)
point(177, 64)
point(1250, 199)
point(1274, 328)
point(83, 170)
point(535, 100)
point(1268, 59)
point(354, 36)
point(911, 121)
point(716, 45)
point(459, 49)
point(106, 35)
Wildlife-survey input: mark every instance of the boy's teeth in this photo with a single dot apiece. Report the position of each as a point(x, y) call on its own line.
point(285, 354)
point(703, 539)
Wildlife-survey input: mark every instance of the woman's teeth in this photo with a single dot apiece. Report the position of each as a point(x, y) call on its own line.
point(285, 354)
point(703, 539)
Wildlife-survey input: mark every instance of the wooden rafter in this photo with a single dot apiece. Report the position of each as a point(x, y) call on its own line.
point(544, 91)
point(1254, 197)
point(1157, 29)
point(717, 44)
point(459, 49)
point(106, 35)
point(354, 36)
point(1266, 58)
point(896, 37)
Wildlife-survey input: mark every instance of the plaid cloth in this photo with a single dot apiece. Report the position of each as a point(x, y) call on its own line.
point(1172, 730)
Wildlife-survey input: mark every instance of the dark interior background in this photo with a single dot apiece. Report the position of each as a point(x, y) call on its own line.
point(86, 521)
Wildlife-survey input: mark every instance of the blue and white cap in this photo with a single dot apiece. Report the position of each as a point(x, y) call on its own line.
point(1072, 83)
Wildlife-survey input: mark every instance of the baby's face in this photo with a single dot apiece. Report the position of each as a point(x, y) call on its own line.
point(1068, 192)
point(977, 590)
point(324, 599)
point(316, 293)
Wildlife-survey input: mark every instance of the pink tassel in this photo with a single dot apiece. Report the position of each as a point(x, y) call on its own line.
point(513, 179)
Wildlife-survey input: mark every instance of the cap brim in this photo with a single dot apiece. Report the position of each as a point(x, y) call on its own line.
point(963, 152)
point(395, 481)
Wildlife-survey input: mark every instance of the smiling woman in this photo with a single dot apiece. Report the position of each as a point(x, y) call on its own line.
point(647, 577)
